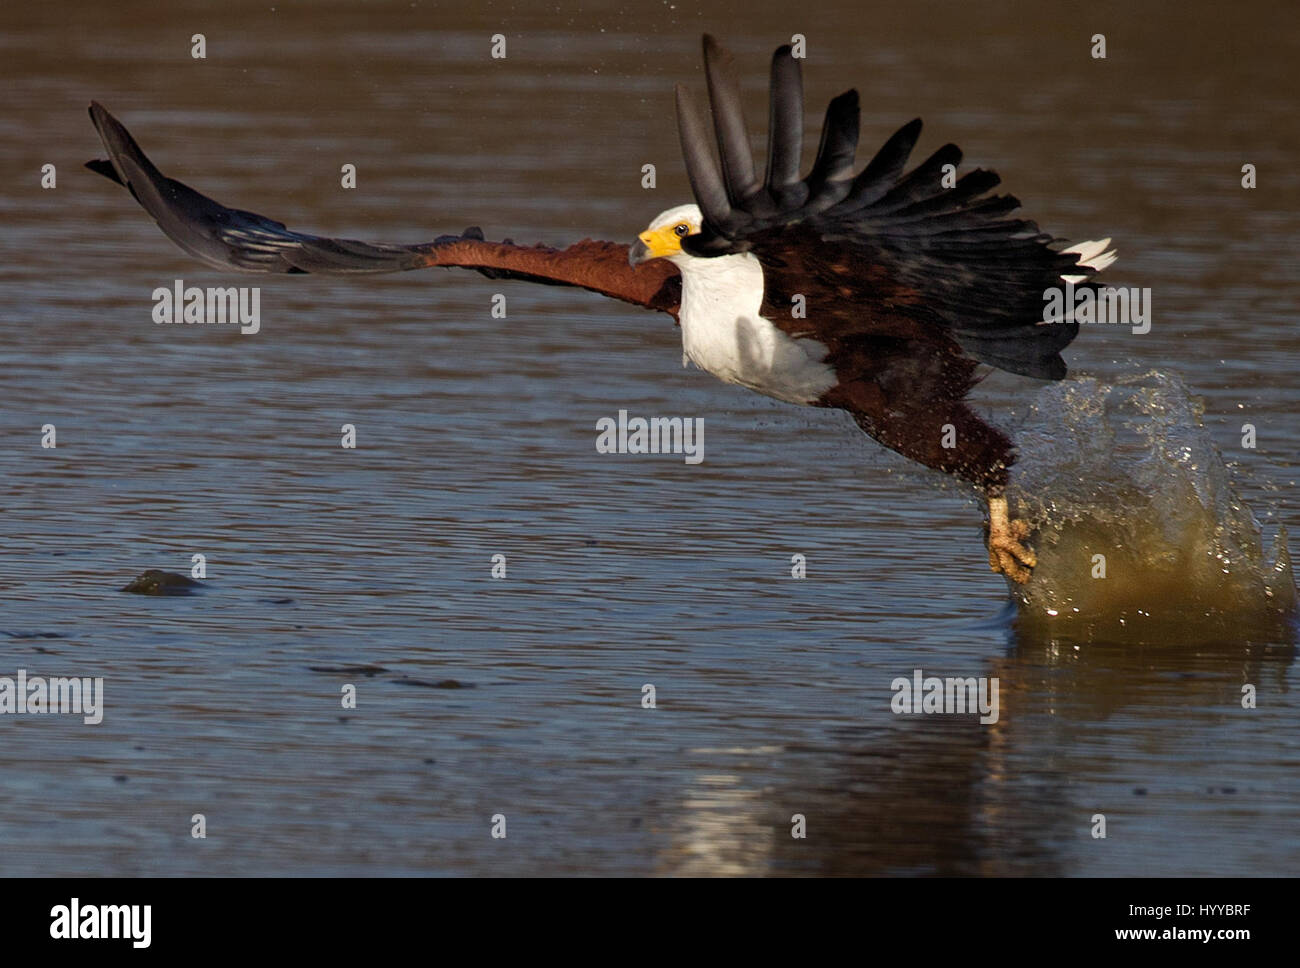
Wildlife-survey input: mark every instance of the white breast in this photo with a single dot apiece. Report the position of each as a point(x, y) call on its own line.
point(724, 333)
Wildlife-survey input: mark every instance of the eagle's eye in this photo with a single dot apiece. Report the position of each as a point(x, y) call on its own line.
point(682, 229)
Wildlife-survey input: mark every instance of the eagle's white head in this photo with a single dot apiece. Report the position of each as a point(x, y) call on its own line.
point(662, 239)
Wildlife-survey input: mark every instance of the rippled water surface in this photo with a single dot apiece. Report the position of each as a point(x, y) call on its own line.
point(523, 696)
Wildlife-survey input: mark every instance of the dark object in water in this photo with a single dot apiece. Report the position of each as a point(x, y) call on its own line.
point(155, 582)
point(350, 670)
point(440, 684)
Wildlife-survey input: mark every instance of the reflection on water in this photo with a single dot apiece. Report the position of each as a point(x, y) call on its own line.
point(944, 796)
point(476, 438)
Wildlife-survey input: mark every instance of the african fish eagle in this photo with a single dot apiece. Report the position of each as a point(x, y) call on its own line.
point(904, 284)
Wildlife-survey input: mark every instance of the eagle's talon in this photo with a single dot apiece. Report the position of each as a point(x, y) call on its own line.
point(1007, 555)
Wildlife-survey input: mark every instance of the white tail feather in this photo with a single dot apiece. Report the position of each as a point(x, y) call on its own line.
point(1092, 254)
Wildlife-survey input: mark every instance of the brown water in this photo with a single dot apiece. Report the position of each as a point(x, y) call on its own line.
point(476, 438)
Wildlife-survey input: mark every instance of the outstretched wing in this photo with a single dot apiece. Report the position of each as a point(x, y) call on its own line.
point(896, 250)
point(230, 238)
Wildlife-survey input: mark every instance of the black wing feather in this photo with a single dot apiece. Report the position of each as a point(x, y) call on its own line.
point(729, 122)
point(884, 170)
point(785, 132)
point(228, 237)
point(831, 178)
point(702, 169)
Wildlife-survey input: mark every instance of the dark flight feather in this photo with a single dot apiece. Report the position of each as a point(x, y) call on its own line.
point(785, 132)
point(733, 135)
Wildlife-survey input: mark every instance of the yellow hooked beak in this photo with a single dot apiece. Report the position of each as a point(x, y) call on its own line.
point(655, 244)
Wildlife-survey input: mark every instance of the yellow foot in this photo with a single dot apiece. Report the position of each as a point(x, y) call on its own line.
point(1006, 553)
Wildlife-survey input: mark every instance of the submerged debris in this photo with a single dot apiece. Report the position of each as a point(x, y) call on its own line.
point(350, 670)
point(156, 582)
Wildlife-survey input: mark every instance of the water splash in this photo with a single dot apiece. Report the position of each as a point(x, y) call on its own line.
point(1123, 480)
